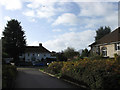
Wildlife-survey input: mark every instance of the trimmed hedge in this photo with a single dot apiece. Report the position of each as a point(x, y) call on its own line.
point(95, 74)
point(9, 73)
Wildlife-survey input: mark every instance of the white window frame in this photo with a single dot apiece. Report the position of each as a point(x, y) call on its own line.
point(105, 51)
point(118, 45)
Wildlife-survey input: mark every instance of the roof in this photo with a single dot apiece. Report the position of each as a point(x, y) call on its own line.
point(38, 49)
point(111, 37)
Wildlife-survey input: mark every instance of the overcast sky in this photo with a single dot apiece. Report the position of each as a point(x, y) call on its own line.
point(58, 25)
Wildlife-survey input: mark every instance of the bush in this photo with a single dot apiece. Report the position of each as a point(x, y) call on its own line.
point(9, 73)
point(55, 67)
point(94, 74)
point(95, 57)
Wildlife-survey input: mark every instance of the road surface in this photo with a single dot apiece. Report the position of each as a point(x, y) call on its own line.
point(33, 78)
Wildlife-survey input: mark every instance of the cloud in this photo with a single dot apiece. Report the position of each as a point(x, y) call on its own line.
point(42, 8)
point(77, 40)
point(96, 14)
point(11, 4)
point(7, 18)
point(45, 12)
point(66, 19)
point(72, 29)
point(47, 9)
point(56, 30)
point(93, 9)
point(29, 13)
point(33, 43)
point(95, 0)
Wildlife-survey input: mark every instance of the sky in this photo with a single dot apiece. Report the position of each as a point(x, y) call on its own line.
point(60, 24)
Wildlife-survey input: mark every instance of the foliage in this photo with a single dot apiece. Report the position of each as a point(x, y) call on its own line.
point(14, 41)
point(95, 74)
point(55, 67)
point(102, 32)
point(61, 57)
point(9, 73)
point(115, 56)
point(70, 53)
point(95, 57)
point(85, 53)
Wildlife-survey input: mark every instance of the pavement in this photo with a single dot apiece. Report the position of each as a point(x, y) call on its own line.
point(33, 78)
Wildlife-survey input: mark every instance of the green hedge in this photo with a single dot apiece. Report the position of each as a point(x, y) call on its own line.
point(96, 74)
point(9, 73)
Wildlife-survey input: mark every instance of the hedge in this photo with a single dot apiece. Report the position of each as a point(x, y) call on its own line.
point(95, 74)
point(9, 73)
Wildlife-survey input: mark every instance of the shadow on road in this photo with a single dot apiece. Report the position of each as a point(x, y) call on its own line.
point(32, 78)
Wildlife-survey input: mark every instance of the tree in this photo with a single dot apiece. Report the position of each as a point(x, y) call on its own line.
point(60, 57)
point(70, 52)
point(85, 53)
point(102, 32)
point(14, 41)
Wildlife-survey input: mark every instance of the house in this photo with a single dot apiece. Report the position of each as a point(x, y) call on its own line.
point(108, 45)
point(36, 53)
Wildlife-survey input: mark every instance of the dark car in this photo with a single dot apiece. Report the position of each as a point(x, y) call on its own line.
point(23, 64)
point(38, 64)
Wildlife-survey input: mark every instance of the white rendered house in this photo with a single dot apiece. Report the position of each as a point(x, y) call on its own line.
point(35, 53)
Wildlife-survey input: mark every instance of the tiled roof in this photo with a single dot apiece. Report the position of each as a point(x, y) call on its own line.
point(38, 49)
point(111, 37)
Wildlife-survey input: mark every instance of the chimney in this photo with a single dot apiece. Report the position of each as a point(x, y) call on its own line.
point(40, 44)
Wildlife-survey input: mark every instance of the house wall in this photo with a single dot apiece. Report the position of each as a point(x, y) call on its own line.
point(110, 50)
point(38, 56)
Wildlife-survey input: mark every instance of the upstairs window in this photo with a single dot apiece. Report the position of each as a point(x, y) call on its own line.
point(117, 46)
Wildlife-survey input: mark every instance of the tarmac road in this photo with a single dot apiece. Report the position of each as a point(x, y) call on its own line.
point(33, 78)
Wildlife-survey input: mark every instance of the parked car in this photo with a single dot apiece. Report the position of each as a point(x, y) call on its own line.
point(23, 64)
point(38, 64)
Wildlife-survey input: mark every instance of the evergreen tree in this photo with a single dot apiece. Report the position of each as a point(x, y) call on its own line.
point(102, 32)
point(14, 41)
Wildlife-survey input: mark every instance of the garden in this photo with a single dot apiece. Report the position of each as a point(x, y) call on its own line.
point(94, 74)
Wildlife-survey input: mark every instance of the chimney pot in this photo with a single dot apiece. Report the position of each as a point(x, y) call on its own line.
point(40, 44)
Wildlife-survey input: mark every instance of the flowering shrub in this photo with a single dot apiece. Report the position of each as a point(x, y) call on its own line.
point(55, 67)
point(96, 74)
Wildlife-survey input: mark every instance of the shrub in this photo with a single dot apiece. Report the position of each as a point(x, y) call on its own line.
point(95, 57)
point(115, 56)
point(9, 73)
point(94, 73)
point(55, 67)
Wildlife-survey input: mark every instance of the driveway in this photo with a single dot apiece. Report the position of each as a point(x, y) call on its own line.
point(33, 78)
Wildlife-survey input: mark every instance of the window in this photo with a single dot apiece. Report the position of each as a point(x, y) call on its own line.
point(98, 50)
point(38, 54)
point(104, 51)
point(117, 46)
